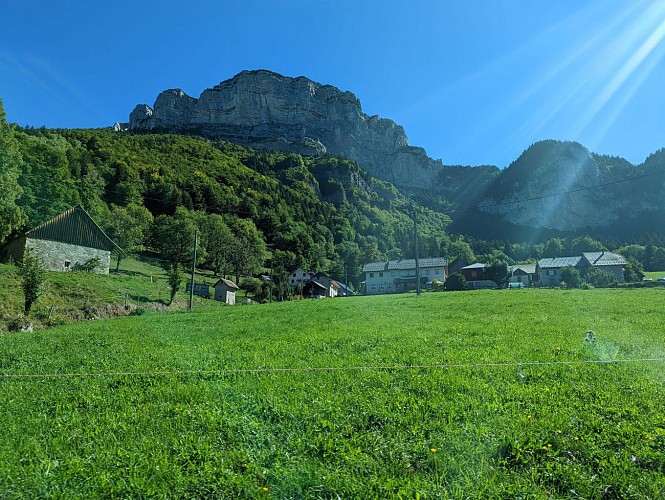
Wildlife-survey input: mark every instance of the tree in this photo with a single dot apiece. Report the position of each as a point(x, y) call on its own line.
point(498, 272)
point(174, 278)
point(583, 244)
point(554, 247)
point(455, 282)
point(128, 227)
point(32, 275)
point(173, 237)
point(249, 248)
point(460, 249)
point(599, 278)
point(658, 259)
point(570, 276)
point(281, 266)
point(219, 241)
point(11, 215)
point(632, 271)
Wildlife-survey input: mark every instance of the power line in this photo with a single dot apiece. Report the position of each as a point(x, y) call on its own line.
point(307, 369)
point(577, 190)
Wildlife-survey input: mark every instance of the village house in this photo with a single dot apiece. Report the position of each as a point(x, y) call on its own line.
point(70, 241)
point(549, 269)
point(399, 276)
point(300, 277)
point(331, 286)
point(525, 274)
point(225, 291)
point(475, 276)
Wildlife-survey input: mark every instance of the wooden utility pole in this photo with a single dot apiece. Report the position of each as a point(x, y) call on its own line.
point(191, 288)
point(415, 227)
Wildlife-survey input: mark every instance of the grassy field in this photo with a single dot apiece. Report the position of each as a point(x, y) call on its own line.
point(475, 394)
point(655, 274)
point(69, 297)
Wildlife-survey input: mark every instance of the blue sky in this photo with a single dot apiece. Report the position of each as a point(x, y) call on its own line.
point(471, 82)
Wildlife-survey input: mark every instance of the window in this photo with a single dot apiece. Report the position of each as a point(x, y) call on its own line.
point(371, 275)
point(67, 264)
point(437, 271)
point(427, 272)
point(380, 275)
point(294, 275)
point(373, 287)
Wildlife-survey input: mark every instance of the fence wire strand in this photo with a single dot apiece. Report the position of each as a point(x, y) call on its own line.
point(250, 371)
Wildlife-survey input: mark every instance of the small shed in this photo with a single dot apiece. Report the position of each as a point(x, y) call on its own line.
point(225, 291)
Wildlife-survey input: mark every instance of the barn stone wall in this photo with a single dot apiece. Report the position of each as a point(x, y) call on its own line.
point(66, 257)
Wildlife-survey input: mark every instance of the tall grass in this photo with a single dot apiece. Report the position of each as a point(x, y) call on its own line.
point(367, 397)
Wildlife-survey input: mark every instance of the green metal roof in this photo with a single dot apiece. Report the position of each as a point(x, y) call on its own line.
point(76, 227)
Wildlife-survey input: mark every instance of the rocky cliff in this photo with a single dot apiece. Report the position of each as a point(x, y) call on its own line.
point(563, 186)
point(265, 110)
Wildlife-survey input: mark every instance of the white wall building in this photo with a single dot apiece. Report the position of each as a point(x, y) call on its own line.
point(398, 276)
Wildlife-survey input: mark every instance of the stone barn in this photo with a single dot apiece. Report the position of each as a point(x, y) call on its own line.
point(68, 242)
point(225, 291)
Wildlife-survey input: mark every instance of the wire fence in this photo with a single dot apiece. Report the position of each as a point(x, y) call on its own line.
point(250, 371)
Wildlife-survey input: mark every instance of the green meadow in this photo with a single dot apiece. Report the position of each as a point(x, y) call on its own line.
point(489, 394)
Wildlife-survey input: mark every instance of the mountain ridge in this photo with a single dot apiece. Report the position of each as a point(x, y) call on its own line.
point(554, 185)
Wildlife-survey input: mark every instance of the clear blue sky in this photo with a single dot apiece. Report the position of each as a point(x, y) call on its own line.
point(473, 82)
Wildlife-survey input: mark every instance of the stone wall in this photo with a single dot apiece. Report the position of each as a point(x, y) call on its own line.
point(65, 257)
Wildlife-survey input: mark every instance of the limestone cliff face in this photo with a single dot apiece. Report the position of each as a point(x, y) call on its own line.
point(265, 110)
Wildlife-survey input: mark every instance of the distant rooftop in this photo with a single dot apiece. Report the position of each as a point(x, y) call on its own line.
point(405, 264)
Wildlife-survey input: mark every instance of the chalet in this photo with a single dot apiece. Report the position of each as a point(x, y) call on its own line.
point(67, 242)
point(225, 291)
point(331, 286)
point(549, 269)
point(524, 273)
point(475, 276)
point(300, 278)
point(398, 276)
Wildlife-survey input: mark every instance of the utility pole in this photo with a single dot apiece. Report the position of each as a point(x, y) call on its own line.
point(415, 227)
point(271, 271)
point(191, 289)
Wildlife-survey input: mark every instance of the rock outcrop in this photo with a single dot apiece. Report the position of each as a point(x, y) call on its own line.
point(562, 186)
point(265, 110)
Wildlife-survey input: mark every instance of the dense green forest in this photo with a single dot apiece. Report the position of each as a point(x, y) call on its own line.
point(254, 210)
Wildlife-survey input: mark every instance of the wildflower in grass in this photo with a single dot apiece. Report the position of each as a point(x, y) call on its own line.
point(264, 489)
point(559, 431)
point(528, 417)
point(433, 450)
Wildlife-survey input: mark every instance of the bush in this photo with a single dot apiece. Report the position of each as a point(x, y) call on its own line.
point(32, 274)
point(600, 279)
point(570, 277)
point(455, 282)
point(437, 286)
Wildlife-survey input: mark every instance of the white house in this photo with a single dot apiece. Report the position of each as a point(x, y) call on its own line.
point(300, 277)
point(398, 276)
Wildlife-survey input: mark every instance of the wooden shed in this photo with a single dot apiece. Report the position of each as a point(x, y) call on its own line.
point(225, 291)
